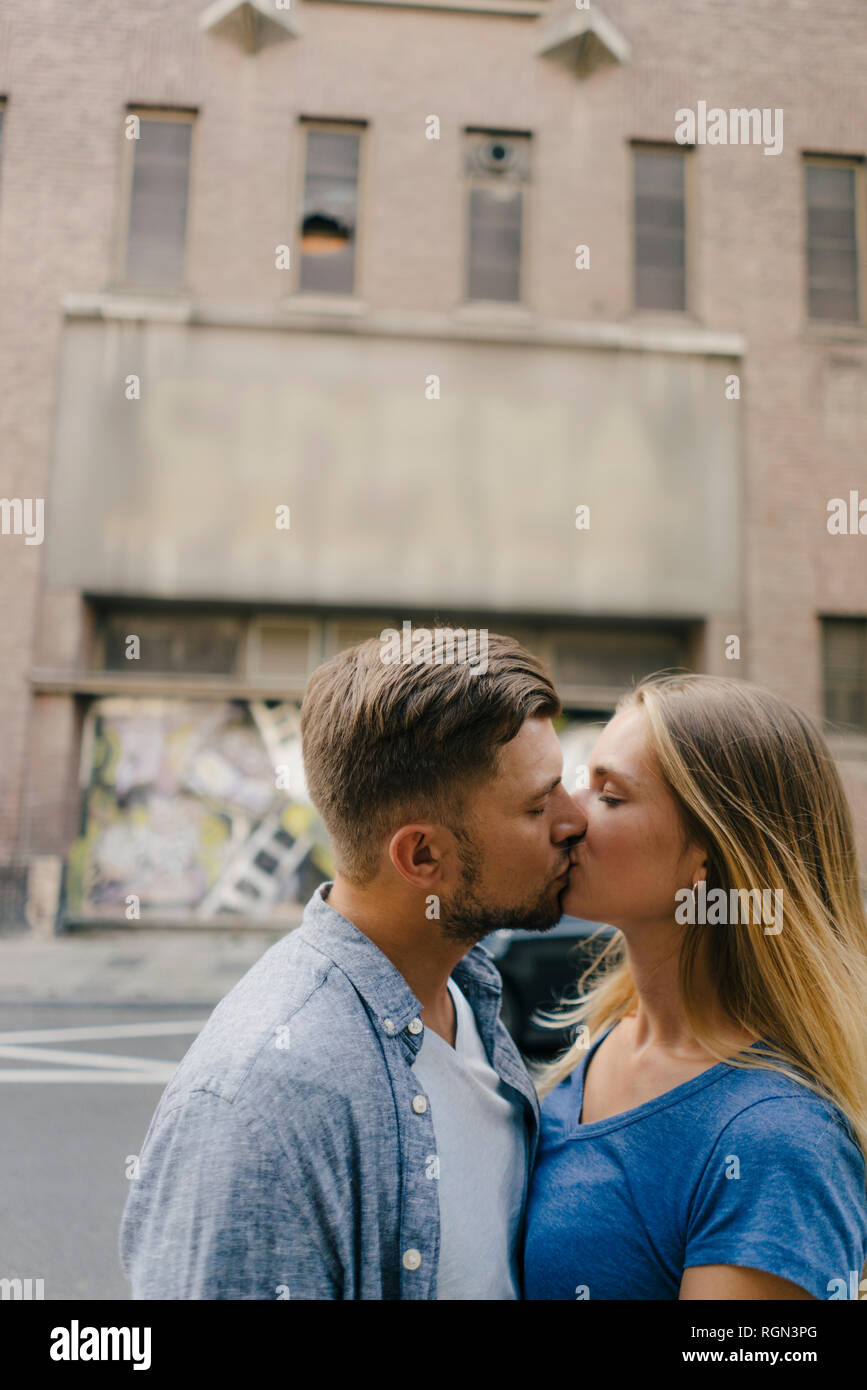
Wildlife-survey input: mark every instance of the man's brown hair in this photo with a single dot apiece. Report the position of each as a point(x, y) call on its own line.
point(385, 742)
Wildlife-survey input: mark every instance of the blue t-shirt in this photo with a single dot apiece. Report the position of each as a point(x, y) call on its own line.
point(736, 1167)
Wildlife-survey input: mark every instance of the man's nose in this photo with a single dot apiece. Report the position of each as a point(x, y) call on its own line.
point(573, 822)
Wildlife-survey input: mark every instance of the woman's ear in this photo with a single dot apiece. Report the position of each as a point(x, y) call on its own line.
point(699, 874)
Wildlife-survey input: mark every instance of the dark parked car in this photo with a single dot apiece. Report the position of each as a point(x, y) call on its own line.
point(538, 969)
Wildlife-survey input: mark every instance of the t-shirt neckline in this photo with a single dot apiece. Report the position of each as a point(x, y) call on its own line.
point(460, 1028)
point(464, 1023)
point(649, 1107)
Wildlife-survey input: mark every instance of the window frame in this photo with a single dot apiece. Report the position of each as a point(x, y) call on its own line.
point(251, 643)
point(690, 203)
point(172, 616)
point(4, 122)
point(471, 181)
point(119, 267)
point(857, 164)
point(336, 126)
point(837, 726)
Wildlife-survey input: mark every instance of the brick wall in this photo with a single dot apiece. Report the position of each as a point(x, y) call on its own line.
point(68, 72)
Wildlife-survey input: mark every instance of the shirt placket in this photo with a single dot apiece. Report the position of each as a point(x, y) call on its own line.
point(419, 1226)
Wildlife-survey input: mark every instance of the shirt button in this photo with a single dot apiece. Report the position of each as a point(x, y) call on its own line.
point(419, 1104)
point(411, 1259)
point(388, 1025)
point(415, 1026)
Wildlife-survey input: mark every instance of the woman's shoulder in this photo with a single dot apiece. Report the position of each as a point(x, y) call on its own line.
point(780, 1111)
point(780, 1188)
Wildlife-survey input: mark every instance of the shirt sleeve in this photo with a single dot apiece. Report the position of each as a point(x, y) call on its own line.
point(218, 1213)
point(783, 1192)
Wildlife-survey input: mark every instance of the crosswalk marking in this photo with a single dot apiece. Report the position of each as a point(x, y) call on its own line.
point(165, 1029)
point(149, 1078)
point(81, 1059)
point(93, 1067)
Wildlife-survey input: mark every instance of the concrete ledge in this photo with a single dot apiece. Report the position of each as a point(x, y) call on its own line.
point(493, 7)
point(81, 924)
point(488, 324)
point(71, 682)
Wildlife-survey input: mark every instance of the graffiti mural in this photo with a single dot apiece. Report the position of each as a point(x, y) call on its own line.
point(199, 810)
point(196, 809)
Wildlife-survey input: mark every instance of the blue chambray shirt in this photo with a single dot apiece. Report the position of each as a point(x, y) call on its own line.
point(285, 1159)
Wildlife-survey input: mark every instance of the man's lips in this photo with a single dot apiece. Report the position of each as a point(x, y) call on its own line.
point(570, 864)
point(564, 874)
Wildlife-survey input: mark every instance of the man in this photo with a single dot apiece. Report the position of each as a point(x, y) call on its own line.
point(354, 1121)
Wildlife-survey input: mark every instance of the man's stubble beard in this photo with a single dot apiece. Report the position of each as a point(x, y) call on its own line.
point(465, 919)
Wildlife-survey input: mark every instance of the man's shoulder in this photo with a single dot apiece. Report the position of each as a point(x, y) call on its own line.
point(292, 1022)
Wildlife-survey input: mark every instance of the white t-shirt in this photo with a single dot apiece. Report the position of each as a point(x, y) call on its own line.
point(482, 1150)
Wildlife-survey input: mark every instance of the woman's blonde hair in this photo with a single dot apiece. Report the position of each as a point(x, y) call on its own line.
point(758, 789)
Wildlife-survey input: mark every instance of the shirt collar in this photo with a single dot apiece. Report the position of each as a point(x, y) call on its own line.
point(372, 974)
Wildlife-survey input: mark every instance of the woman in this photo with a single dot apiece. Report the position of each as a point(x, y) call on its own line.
point(711, 1141)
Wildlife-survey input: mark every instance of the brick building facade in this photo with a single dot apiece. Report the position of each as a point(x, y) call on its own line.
point(430, 277)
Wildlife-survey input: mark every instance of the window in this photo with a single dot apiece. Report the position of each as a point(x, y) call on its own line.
point(845, 671)
point(660, 228)
point(282, 647)
point(832, 240)
point(159, 185)
point(591, 663)
point(175, 643)
point(498, 169)
point(328, 227)
point(348, 632)
point(595, 657)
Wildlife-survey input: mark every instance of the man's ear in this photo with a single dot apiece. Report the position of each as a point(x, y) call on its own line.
point(416, 852)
